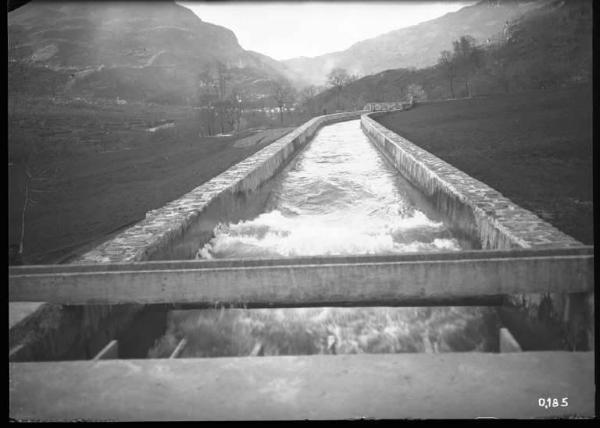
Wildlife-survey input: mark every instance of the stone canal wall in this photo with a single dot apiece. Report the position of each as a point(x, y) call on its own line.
point(480, 213)
point(178, 229)
point(473, 208)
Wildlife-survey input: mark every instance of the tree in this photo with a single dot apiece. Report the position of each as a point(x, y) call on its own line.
point(307, 93)
point(233, 109)
point(207, 94)
point(38, 179)
point(498, 66)
point(352, 78)
point(306, 96)
point(416, 92)
point(283, 94)
point(447, 64)
point(468, 58)
point(223, 78)
point(338, 78)
point(213, 97)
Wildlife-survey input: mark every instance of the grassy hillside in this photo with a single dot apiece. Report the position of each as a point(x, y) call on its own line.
point(535, 148)
point(133, 50)
point(96, 168)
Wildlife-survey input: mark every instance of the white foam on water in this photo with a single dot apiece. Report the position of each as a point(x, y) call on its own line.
point(340, 198)
point(273, 234)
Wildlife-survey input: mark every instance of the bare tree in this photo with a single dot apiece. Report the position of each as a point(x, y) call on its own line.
point(352, 78)
point(283, 94)
point(234, 110)
point(447, 64)
point(308, 92)
point(206, 96)
point(38, 179)
point(338, 78)
point(468, 58)
point(223, 78)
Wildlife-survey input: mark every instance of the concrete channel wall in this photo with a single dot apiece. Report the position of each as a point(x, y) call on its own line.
point(172, 232)
point(478, 212)
point(473, 208)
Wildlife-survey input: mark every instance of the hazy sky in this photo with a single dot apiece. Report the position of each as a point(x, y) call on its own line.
point(285, 30)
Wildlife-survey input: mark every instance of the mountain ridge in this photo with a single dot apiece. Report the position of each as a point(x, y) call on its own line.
point(147, 52)
point(415, 46)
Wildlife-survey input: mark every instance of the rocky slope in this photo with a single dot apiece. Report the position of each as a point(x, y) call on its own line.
point(150, 51)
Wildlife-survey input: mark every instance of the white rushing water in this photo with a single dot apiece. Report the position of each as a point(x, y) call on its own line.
point(339, 197)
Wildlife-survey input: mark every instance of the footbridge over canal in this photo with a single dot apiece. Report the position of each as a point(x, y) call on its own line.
point(67, 364)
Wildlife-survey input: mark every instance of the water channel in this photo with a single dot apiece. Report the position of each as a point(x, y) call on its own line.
point(339, 196)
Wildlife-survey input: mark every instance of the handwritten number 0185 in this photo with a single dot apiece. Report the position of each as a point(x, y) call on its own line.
point(553, 402)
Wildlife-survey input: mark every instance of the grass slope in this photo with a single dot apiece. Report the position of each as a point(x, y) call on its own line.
point(535, 148)
point(97, 168)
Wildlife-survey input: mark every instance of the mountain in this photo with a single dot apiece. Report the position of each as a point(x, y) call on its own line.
point(416, 46)
point(150, 51)
point(547, 47)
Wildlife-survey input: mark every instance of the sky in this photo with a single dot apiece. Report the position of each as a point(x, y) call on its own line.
point(284, 30)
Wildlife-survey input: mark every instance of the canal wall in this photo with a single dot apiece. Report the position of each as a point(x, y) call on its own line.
point(473, 208)
point(172, 232)
point(176, 230)
point(476, 211)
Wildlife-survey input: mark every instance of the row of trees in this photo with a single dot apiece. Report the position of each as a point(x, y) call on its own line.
point(457, 66)
point(222, 103)
point(219, 102)
point(462, 63)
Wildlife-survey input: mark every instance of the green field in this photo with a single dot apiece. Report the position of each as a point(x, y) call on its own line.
point(535, 148)
point(96, 168)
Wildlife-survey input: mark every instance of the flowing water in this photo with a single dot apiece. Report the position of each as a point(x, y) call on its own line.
point(340, 196)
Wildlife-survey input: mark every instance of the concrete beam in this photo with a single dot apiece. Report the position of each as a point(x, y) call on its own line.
point(394, 386)
point(394, 281)
point(583, 250)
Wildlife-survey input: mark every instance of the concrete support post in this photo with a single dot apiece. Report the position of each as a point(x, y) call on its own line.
point(579, 319)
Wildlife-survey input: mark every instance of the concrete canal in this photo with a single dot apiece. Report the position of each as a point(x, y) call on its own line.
point(339, 196)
